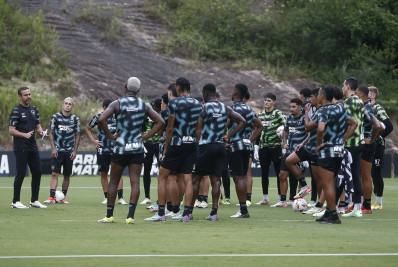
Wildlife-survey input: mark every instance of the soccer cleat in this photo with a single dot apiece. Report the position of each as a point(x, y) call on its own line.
point(354, 213)
point(282, 204)
point(146, 201)
point(172, 214)
point(18, 205)
point(290, 203)
point(184, 218)
point(240, 215)
point(156, 218)
point(311, 204)
point(331, 220)
point(177, 217)
point(377, 206)
point(153, 208)
point(303, 192)
point(121, 201)
point(312, 210)
point(319, 214)
point(50, 200)
point(129, 221)
point(107, 220)
point(197, 202)
point(38, 205)
point(63, 201)
point(221, 202)
point(366, 211)
point(263, 202)
point(213, 218)
point(341, 210)
point(349, 209)
point(203, 205)
point(105, 201)
point(227, 201)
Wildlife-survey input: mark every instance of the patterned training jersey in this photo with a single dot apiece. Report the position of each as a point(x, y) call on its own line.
point(107, 145)
point(241, 140)
point(187, 111)
point(296, 131)
point(129, 122)
point(271, 121)
point(24, 119)
point(367, 122)
point(335, 117)
point(355, 108)
point(215, 116)
point(310, 146)
point(64, 130)
point(381, 115)
point(147, 127)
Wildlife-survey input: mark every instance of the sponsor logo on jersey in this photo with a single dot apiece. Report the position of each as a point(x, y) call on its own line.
point(267, 123)
point(65, 128)
point(23, 115)
point(216, 115)
point(187, 139)
point(132, 146)
point(132, 109)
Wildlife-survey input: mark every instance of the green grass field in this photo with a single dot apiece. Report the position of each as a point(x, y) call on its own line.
point(72, 229)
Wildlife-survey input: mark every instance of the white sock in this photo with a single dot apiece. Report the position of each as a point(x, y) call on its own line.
point(379, 200)
point(349, 198)
point(265, 197)
point(357, 206)
point(361, 199)
point(279, 197)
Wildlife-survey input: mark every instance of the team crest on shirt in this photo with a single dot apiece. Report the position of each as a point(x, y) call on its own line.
point(33, 112)
point(23, 115)
point(113, 119)
point(72, 121)
point(272, 116)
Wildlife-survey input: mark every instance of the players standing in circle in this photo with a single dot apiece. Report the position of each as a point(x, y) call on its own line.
point(371, 128)
point(378, 162)
point(152, 148)
point(269, 149)
point(294, 139)
point(64, 140)
point(130, 112)
point(241, 144)
point(211, 150)
point(24, 121)
point(104, 151)
point(179, 153)
point(332, 132)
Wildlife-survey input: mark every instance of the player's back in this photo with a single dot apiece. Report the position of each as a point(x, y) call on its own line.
point(214, 121)
point(241, 140)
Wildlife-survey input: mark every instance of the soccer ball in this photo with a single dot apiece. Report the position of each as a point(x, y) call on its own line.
point(59, 196)
point(279, 131)
point(300, 205)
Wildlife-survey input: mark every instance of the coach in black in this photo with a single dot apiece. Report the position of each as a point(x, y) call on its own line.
point(24, 121)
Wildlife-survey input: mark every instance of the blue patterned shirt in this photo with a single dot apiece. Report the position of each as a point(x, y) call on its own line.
point(310, 146)
point(107, 145)
point(367, 122)
point(296, 131)
point(215, 118)
point(64, 129)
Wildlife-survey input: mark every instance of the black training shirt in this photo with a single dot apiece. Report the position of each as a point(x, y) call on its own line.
point(24, 120)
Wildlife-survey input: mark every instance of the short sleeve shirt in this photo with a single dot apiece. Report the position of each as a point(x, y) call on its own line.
point(24, 119)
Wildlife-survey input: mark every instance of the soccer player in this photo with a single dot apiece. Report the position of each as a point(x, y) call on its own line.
point(152, 149)
point(305, 95)
point(211, 150)
point(332, 132)
point(294, 138)
point(240, 146)
point(371, 131)
point(24, 121)
point(64, 141)
point(104, 151)
point(179, 153)
point(269, 149)
point(248, 176)
point(378, 162)
point(355, 108)
point(130, 112)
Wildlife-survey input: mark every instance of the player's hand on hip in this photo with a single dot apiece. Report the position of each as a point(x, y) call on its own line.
point(97, 143)
point(113, 138)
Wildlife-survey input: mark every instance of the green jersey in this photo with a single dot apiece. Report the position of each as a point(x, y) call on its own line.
point(146, 128)
point(271, 121)
point(381, 115)
point(356, 109)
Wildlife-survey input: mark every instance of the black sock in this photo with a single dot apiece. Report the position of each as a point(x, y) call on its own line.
point(283, 197)
point(132, 207)
point(169, 206)
point(343, 204)
point(249, 196)
point(186, 211)
point(319, 205)
point(109, 211)
point(52, 193)
point(161, 210)
point(243, 207)
point(213, 212)
point(302, 182)
point(64, 191)
point(120, 193)
point(200, 198)
point(333, 213)
point(190, 210)
point(176, 208)
point(367, 204)
point(106, 194)
point(205, 198)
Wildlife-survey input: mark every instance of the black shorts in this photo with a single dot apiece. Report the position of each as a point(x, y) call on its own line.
point(180, 159)
point(239, 162)
point(304, 155)
point(127, 159)
point(64, 160)
point(331, 164)
point(368, 152)
point(103, 161)
point(283, 162)
point(210, 159)
point(252, 154)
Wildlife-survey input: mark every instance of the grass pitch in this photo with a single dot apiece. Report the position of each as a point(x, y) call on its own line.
point(71, 231)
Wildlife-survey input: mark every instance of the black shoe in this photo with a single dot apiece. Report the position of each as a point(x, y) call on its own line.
point(331, 220)
point(325, 215)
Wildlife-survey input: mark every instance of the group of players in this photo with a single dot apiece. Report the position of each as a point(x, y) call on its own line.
point(195, 140)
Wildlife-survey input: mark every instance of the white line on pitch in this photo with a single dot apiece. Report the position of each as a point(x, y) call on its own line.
point(200, 255)
point(314, 219)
